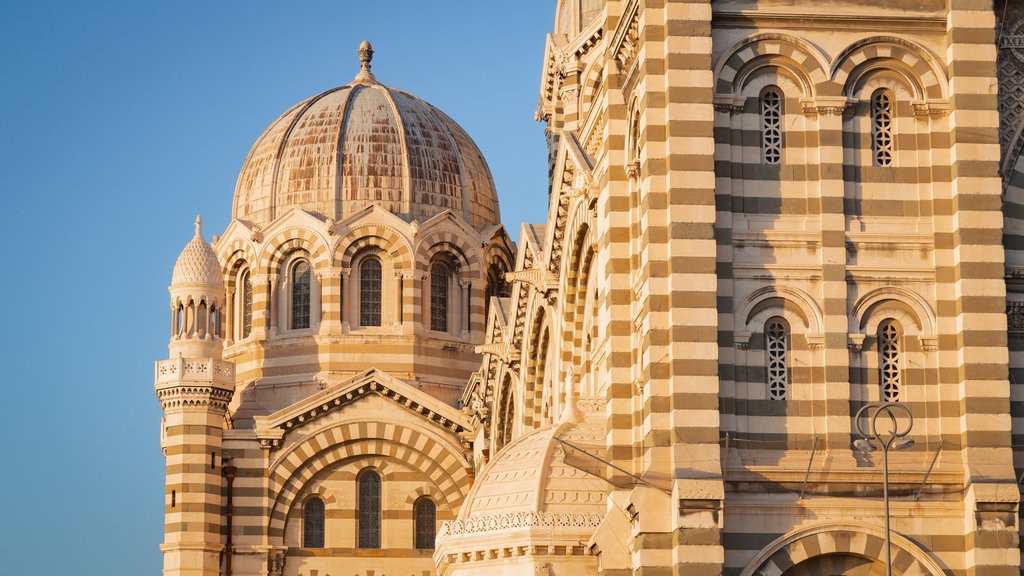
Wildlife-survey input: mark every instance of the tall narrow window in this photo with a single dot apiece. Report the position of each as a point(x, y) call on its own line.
point(439, 297)
point(300, 295)
point(246, 305)
point(771, 126)
point(368, 487)
point(369, 292)
point(313, 524)
point(889, 361)
point(424, 513)
point(777, 346)
point(882, 142)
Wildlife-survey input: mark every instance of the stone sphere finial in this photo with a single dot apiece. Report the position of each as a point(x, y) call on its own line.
point(365, 56)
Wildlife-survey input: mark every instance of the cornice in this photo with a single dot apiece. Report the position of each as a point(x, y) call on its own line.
point(833, 22)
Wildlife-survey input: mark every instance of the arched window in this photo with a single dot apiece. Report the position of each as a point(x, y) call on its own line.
point(882, 140)
point(889, 361)
point(368, 496)
point(771, 126)
point(424, 514)
point(245, 305)
point(439, 297)
point(300, 283)
point(776, 343)
point(369, 292)
point(313, 523)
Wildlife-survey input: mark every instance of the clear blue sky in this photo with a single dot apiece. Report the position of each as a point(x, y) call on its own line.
point(120, 121)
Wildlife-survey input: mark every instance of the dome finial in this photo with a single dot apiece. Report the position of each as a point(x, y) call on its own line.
point(365, 56)
point(199, 226)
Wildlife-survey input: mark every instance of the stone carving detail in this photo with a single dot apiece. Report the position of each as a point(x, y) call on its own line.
point(630, 46)
point(1015, 317)
point(1010, 64)
point(519, 520)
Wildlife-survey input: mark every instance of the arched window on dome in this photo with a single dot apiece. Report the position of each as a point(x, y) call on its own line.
point(301, 285)
point(313, 523)
point(424, 514)
point(245, 305)
point(370, 282)
point(368, 491)
point(439, 295)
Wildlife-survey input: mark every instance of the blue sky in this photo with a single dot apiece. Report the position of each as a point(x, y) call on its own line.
point(120, 122)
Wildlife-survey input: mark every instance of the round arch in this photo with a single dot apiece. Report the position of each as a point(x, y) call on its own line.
point(848, 544)
point(417, 448)
point(800, 59)
point(387, 239)
point(914, 63)
point(287, 241)
point(809, 311)
point(919, 307)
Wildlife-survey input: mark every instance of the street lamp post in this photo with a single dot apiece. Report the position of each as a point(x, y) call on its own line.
point(895, 437)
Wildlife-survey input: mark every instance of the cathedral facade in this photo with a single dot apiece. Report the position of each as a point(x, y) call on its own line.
point(773, 324)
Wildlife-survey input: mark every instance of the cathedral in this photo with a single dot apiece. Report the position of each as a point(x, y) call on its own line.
point(773, 324)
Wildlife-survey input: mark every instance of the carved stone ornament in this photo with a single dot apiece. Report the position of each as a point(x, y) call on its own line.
point(1015, 317)
point(1014, 40)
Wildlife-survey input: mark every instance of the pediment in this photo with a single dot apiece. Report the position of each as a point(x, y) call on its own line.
point(272, 429)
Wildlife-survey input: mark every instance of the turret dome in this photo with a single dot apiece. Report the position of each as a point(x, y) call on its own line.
point(197, 296)
point(197, 263)
point(361, 144)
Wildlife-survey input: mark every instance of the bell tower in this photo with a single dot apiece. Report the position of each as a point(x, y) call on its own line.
point(194, 387)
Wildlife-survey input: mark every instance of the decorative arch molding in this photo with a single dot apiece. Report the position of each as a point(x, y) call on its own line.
point(858, 539)
point(913, 62)
point(799, 58)
point(240, 253)
point(441, 461)
point(287, 241)
point(921, 311)
point(535, 360)
point(439, 241)
point(387, 239)
point(579, 223)
point(810, 311)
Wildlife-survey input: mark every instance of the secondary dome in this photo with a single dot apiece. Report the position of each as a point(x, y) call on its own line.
point(533, 474)
point(361, 144)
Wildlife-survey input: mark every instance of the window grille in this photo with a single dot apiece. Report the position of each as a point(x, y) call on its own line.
point(300, 295)
point(776, 344)
point(246, 304)
point(369, 292)
point(889, 361)
point(369, 510)
point(439, 297)
point(425, 523)
point(771, 126)
point(313, 524)
point(882, 141)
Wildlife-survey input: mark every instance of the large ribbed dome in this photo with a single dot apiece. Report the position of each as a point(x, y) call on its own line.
point(361, 144)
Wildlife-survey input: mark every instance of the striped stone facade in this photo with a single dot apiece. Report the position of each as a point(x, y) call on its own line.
point(763, 217)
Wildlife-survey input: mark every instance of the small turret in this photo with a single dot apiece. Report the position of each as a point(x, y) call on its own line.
point(197, 298)
point(194, 386)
